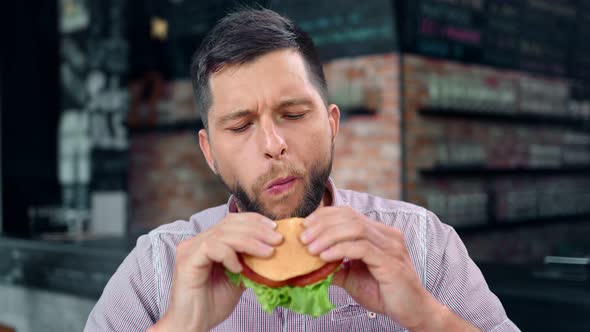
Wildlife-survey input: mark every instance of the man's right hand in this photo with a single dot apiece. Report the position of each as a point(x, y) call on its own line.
point(202, 296)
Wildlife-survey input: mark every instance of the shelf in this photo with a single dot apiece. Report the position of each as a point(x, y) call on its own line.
point(475, 171)
point(183, 125)
point(504, 225)
point(517, 117)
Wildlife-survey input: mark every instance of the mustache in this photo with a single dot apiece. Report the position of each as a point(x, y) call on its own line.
point(276, 171)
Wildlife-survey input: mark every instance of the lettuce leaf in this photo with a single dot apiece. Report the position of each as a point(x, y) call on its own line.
point(310, 300)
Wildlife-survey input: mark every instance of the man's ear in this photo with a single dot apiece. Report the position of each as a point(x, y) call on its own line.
point(206, 149)
point(334, 118)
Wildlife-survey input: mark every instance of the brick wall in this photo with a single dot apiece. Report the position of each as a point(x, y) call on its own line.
point(367, 154)
point(169, 178)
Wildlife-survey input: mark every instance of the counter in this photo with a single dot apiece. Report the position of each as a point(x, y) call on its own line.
point(80, 268)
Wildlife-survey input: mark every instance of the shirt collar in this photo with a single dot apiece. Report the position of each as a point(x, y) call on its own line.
point(330, 186)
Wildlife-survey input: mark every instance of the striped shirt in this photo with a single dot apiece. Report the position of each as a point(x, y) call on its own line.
point(138, 294)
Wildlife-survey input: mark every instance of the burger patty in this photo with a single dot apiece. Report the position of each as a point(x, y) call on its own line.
point(299, 281)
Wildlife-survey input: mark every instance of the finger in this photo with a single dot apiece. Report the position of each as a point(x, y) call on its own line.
point(255, 231)
point(382, 236)
point(320, 222)
point(256, 226)
point(253, 217)
point(321, 214)
point(332, 234)
point(360, 249)
point(221, 253)
point(253, 237)
point(241, 242)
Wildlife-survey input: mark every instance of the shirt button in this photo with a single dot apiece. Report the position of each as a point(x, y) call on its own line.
point(372, 315)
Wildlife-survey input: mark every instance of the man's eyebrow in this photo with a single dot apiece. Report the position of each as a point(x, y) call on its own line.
point(233, 116)
point(223, 120)
point(294, 102)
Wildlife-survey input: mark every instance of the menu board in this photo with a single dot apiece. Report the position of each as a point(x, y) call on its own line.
point(540, 36)
point(545, 35)
point(344, 28)
point(444, 29)
point(189, 22)
point(580, 51)
point(501, 42)
point(339, 29)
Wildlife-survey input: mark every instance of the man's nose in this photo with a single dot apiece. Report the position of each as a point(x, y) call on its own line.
point(275, 145)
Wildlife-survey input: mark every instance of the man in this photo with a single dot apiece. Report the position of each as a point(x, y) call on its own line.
point(269, 135)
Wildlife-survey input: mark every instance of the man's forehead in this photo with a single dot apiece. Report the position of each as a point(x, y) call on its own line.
point(283, 77)
point(273, 66)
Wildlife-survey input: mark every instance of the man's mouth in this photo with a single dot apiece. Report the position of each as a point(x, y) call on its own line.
point(279, 185)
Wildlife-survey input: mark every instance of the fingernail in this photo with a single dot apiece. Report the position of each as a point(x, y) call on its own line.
point(278, 236)
point(268, 250)
point(307, 221)
point(271, 223)
point(313, 248)
point(304, 237)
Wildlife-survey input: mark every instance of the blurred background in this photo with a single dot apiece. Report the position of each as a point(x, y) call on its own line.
point(476, 109)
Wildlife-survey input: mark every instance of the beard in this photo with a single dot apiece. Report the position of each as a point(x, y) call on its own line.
point(314, 188)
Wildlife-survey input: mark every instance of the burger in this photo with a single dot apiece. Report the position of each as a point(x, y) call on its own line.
point(291, 278)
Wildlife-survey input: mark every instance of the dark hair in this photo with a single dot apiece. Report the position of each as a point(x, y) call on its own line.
point(244, 36)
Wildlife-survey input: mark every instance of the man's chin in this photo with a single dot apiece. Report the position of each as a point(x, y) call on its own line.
point(278, 212)
point(281, 208)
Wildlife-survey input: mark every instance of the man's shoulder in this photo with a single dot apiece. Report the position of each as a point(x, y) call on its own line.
point(403, 215)
point(181, 229)
point(367, 203)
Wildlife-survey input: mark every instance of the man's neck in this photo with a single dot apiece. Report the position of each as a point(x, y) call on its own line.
point(327, 199)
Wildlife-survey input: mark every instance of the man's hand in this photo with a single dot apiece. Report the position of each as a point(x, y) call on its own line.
point(201, 295)
point(380, 275)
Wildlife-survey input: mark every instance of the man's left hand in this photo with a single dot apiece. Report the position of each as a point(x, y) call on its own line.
point(379, 275)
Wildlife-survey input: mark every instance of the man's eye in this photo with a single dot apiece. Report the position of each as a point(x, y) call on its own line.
point(241, 128)
point(294, 116)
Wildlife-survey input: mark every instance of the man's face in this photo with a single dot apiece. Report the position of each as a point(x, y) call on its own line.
point(270, 135)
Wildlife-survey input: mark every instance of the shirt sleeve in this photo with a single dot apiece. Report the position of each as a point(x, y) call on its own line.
point(129, 300)
point(455, 280)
